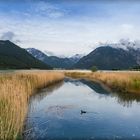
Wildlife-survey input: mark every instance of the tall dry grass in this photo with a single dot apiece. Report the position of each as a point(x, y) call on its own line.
point(15, 90)
point(128, 82)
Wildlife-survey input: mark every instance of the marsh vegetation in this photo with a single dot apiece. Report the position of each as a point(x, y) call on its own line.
point(15, 91)
point(17, 87)
point(125, 81)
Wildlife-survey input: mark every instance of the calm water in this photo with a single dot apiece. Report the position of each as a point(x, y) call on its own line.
point(55, 113)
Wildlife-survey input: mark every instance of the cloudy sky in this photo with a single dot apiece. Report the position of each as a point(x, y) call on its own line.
point(67, 27)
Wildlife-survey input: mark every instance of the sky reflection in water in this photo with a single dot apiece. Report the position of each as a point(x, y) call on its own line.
point(55, 113)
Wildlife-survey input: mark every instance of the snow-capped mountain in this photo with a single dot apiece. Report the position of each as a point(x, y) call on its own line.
point(124, 44)
point(36, 53)
point(54, 61)
point(75, 58)
point(132, 47)
point(122, 55)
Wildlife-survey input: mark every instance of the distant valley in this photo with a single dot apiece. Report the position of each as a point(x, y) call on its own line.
point(55, 61)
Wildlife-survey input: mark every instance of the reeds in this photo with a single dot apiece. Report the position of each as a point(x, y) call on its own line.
point(125, 81)
point(15, 90)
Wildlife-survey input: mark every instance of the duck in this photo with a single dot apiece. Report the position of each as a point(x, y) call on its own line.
point(83, 112)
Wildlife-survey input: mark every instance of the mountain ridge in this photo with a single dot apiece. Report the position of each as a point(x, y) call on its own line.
point(104, 58)
point(54, 61)
point(14, 57)
point(108, 58)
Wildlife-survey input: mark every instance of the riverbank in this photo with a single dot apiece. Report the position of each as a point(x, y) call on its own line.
point(125, 81)
point(15, 90)
point(17, 87)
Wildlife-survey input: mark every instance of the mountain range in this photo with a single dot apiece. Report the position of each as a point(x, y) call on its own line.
point(105, 57)
point(108, 58)
point(55, 61)
point(14, 57)
point(122, 55)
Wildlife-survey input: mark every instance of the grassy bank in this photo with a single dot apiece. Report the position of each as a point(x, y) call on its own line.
point(128, 82)
point(15, 90)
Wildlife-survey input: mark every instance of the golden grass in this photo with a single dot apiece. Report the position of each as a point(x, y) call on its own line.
point(15, 90)
point(128, 82)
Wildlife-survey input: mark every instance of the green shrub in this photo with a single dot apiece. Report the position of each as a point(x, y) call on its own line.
point(94, 69)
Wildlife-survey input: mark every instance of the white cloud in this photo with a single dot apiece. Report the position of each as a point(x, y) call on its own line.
point(45, 29)
point(49, 53)
point(9, 36)
point(46, 9)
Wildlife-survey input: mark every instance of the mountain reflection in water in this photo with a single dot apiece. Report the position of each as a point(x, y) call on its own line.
point(55, 113)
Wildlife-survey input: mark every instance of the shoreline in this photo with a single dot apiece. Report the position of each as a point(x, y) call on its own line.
point(127, 82)
point(16, 89)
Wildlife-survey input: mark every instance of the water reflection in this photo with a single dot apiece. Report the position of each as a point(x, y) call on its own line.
point(93, 85)
point(58, 110)
point(34, 100)
point(55, 113)
point(46, 91)
point(126, 99)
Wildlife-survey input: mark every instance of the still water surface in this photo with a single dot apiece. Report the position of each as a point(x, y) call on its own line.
point(55, 113)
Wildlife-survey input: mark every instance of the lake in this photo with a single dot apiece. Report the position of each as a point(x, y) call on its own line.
point(55, 113)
